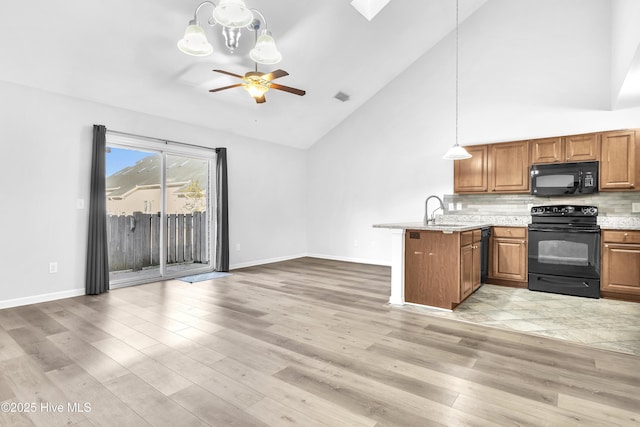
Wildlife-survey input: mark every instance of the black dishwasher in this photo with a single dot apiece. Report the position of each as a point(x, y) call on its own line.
point(484, 254)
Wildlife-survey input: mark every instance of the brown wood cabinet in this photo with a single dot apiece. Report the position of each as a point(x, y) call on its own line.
point(620, 274)
point(574, 148)
point(509, 167)
point(508, 256)
point(493, 168)
point(619, 161)
point(471, 175)
point(469, 262)
point(441, 269)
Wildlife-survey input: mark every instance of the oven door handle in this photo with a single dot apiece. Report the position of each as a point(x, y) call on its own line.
point(564, 230)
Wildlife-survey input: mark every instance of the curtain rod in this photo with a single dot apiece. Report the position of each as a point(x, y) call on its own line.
point(164, 141)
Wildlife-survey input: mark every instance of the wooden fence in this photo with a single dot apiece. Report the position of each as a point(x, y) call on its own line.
point(134, 240)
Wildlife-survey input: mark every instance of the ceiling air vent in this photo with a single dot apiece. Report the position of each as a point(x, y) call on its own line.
point(341, 96)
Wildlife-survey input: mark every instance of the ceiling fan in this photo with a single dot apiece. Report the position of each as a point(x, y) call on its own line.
point(257, 84)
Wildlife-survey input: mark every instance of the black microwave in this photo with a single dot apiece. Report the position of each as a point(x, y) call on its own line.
point(564, 179)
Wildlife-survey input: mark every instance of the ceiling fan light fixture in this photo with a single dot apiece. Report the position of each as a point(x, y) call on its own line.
point(369, 8)
point(456, 153)
point(232, 14)
point(256, 89)
point(195, 41)
point(265, 51)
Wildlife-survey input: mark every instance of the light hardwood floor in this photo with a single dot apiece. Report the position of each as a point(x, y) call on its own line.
point(306, 342)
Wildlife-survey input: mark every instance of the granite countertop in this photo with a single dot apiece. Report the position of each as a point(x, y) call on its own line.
point(451, 223)
point(445, 227)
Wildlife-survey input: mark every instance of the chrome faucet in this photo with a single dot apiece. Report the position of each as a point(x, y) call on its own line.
point(427, 220)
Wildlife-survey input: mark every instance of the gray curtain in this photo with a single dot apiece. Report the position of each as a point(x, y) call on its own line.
point(97, 273)
point(222, 212)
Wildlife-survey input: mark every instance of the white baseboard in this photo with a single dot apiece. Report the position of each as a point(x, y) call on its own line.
point(41, 298)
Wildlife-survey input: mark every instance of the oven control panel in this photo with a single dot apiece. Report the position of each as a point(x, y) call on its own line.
point(564, 210)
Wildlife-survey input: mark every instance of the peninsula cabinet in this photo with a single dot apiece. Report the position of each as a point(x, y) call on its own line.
point(574, 148)
point(619, 161)
point(620, 274)
point(508, 256)
point(441, 269)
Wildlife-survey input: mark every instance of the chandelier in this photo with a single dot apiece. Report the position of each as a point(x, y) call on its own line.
point(232, 16)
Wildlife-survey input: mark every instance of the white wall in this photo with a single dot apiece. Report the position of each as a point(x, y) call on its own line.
point(46, 149)
point(528, 68)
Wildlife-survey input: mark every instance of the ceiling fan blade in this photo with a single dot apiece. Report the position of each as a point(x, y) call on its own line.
point(287, 89)
point(261, 99)
point(229, 74)
point(225, 87)
point(275, 74)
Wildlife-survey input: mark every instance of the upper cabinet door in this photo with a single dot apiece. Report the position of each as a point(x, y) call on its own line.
point(582, 148)
point(509, 167)
point(574, 148)
point(471, 175)
point(618, 162)
point(547, 150)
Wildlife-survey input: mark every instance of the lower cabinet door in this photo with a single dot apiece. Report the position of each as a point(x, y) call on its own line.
point(621, 268)
point(509, 259)
point(467, 270)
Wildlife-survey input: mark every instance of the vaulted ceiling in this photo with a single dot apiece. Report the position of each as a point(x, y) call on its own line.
point(123, 53)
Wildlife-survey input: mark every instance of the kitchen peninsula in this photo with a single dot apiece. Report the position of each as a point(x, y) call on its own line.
point(436, 265)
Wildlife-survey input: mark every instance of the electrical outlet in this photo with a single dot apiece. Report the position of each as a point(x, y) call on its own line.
point(53, 267)
point(458, 206)
point(635, 207)
point(451, 208)
point(238, 247)
point(80, 203)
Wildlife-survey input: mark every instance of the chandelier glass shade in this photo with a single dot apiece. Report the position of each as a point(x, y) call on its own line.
point(195, 41)
point(265, 51)
point(232, 14)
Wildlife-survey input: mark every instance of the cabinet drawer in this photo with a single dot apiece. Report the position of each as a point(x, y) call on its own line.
point(516, 232)
point(477, 235)
point(621, 236)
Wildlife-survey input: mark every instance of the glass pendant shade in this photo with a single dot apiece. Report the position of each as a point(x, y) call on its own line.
point(195, 41)
point(265, 51)
point(233, 14)
point(369, 8)
point(456, 153)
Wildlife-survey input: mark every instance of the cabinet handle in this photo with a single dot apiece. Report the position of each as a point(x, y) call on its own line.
point(606, 246)
point(626, 234)
point(417, 253)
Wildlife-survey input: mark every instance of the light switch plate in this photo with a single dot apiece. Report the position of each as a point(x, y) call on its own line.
point(451, 208)
point(635, 207)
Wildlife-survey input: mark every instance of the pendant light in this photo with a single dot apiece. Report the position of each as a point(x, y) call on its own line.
point(456, 152)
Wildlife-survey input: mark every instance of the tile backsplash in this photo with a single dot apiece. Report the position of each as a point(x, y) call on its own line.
point(608, 203)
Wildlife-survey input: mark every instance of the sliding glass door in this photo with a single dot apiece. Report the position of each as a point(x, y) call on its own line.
point(187, 213)
point(158, 211)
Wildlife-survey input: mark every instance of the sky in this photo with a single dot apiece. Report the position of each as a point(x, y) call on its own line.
point(120, 158)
